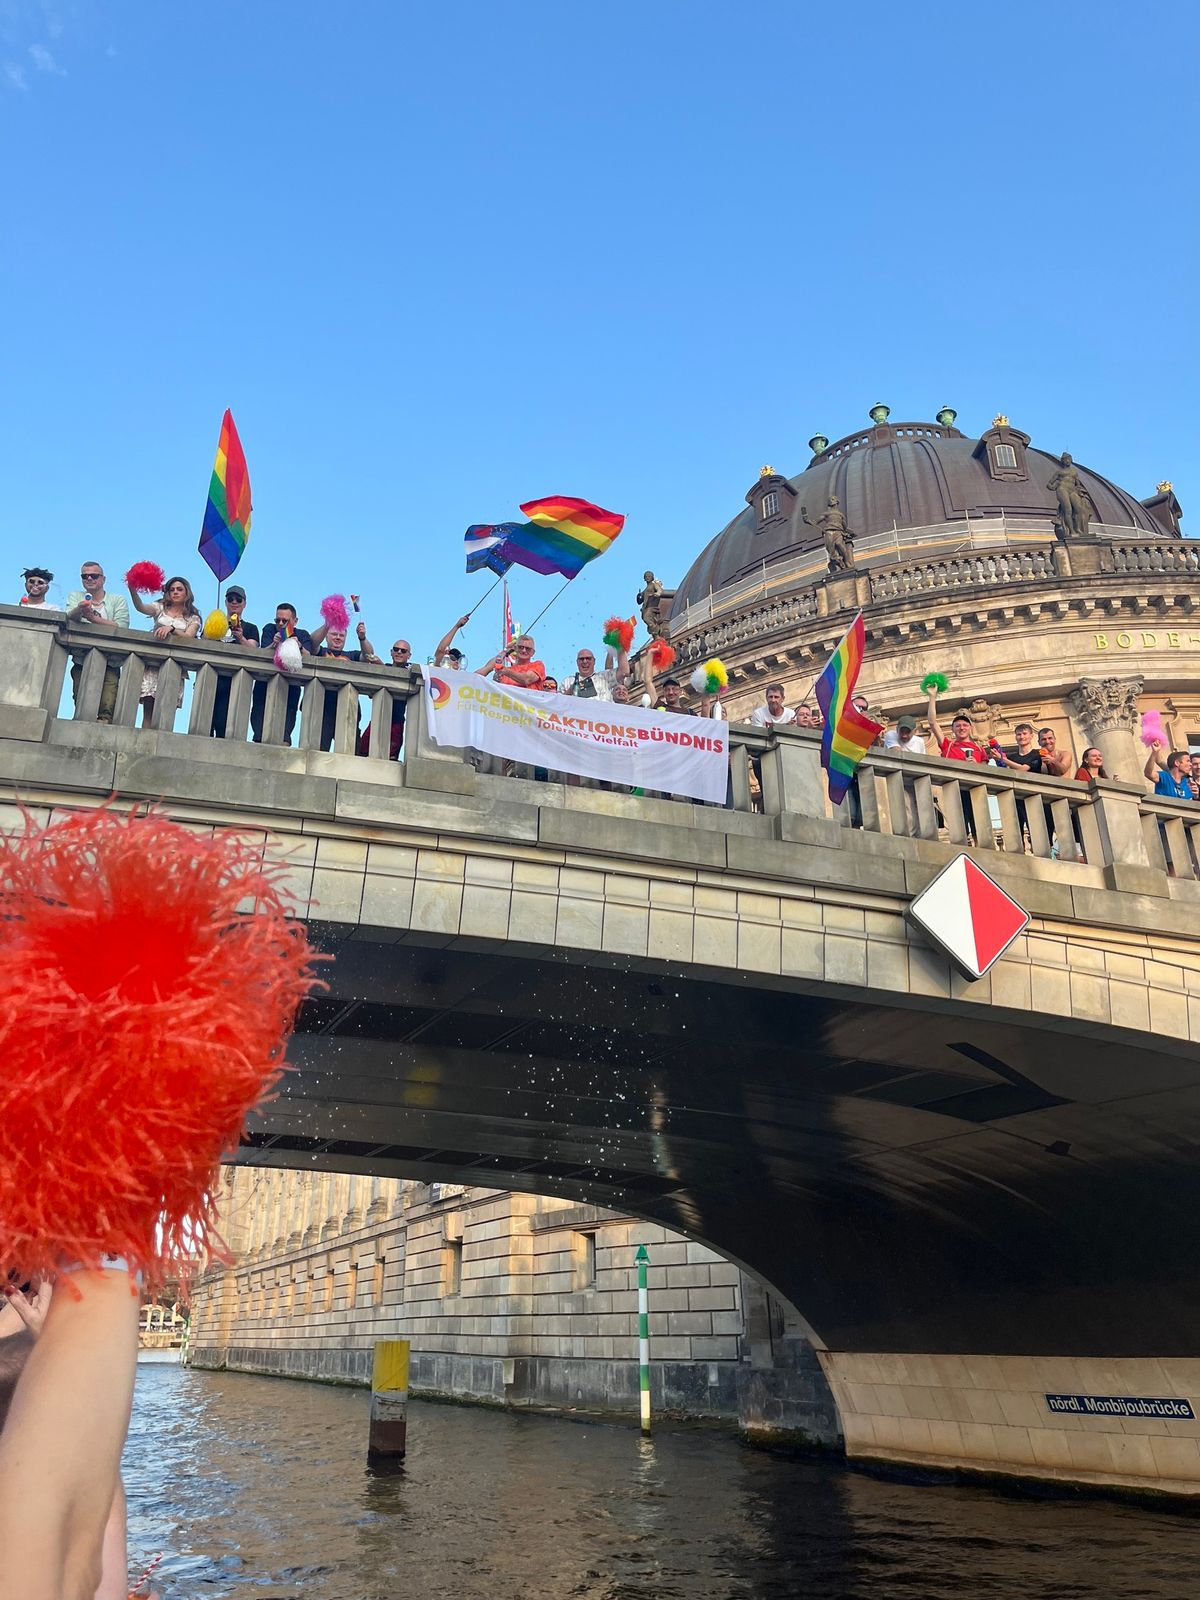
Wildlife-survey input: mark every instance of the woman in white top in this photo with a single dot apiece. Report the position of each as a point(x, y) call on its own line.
point(174, 613)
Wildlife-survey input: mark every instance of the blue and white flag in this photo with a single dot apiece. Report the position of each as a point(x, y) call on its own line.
point(484, 545)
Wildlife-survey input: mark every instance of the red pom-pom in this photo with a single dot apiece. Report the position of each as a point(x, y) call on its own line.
point(142, 1016)
point(662, 655)
point(333, 610)
point(618, 633)
point(147, 577)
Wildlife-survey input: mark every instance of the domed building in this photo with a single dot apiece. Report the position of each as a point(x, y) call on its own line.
point(1042, 590)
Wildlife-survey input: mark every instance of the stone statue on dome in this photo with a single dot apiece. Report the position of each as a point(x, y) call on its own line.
point(650, 601)
point(839, 541)
point(1074, 502)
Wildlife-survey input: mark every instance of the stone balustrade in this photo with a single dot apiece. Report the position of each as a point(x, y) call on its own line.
point(955, 572)
point(1172, 555)
point(1112, 832)
point(920, 564)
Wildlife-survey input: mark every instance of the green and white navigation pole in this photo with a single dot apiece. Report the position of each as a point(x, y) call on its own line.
point(643, 1261)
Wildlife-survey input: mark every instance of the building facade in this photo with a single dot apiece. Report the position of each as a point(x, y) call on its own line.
point(1041, 590)
point(508, 1299)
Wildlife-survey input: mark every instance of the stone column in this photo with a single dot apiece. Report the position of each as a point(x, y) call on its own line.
point(311, 1217)
point(377, 1209)
point(353, 1219)
point(330, 1214)
point(1107, 711)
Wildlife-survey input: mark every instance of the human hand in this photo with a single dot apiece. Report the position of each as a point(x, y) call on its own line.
point(361, 630)
point(462, 621)
point(163, 631)
point(32, 1308)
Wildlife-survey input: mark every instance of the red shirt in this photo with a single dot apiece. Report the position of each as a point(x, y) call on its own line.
point(964, 750)
point(524, 666)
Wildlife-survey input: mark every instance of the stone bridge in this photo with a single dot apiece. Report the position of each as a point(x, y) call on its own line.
point(978, 1194)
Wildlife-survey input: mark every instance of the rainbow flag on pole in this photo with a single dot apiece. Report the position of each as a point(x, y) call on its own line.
point(226, 525)
point(562, 535)
point(847, 734)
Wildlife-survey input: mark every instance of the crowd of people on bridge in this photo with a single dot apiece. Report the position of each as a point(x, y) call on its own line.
point(174, 613)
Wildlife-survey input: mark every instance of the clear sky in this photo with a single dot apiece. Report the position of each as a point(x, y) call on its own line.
point(441, 259)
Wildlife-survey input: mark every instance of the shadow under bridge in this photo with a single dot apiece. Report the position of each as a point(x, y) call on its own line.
point(914, 1177)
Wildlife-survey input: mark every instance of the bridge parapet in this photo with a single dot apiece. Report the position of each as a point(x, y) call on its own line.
point(913, 808)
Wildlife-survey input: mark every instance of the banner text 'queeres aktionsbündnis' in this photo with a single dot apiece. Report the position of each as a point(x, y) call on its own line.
point(658, 750)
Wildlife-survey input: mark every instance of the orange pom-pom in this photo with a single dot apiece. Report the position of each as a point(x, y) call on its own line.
point(147, 577)
point(662, 655)
point(142, 1016)
point(618, 633)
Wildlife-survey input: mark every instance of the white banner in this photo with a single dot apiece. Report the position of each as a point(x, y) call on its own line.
point(658, 750)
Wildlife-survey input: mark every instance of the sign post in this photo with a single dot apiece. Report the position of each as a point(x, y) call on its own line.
point(643, 1261)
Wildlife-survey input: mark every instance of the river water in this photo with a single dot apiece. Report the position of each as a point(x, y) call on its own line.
point(257, 1489)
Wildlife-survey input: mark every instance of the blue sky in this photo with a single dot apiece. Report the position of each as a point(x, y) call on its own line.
point(443, 259)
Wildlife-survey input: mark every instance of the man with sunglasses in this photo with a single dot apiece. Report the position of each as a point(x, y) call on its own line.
point(524, 672)
point(92, 606)
point(400, 655)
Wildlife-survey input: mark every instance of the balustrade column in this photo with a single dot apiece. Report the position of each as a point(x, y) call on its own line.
point(1106, 709)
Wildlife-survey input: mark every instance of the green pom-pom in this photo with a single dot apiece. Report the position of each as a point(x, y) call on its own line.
point(934, 680)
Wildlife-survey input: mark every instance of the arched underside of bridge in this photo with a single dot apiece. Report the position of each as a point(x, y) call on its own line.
point(914, 1176)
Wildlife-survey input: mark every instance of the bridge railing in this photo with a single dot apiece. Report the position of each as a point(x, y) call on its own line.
point(53, 672)
point(345, 697)
point(1104, 823)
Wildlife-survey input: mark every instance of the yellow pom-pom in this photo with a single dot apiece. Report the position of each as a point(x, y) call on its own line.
point(716, 674)
point(216, 625)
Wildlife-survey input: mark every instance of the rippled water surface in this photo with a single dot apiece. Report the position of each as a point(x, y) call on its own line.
point(256, 1488)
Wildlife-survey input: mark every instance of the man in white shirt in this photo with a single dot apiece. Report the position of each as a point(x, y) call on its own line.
point(585, 682)
point(904, 736)
point(93, 606)
point(774, 714)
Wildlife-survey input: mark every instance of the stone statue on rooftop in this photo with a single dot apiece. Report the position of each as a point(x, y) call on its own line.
point(839, 541)
point(1074, 502)
point(650, 601)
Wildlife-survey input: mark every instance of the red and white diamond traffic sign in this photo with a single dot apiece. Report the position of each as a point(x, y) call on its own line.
point(969, 915)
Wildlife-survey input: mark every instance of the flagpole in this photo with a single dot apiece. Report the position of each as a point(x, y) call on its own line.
point(832, 653)
point(546, 608)
point(484, 596)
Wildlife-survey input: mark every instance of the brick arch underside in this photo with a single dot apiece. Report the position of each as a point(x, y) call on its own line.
point(912, 1179)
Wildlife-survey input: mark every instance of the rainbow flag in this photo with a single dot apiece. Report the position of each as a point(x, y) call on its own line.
point(226, 525)
point(562, 535)
point(847, 734)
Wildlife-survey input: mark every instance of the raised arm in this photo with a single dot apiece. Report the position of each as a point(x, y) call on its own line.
point(935, 726)
point(317, 636)
point(61, 1445)
point(1153, 765)
point(139, 604)
point(447, 640)
point(648, 677)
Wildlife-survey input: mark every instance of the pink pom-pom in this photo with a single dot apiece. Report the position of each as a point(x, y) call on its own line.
point(333, 610)
point(147, 577)
point(1153, 731)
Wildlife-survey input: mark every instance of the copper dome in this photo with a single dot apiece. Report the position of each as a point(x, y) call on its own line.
point(896, 476)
